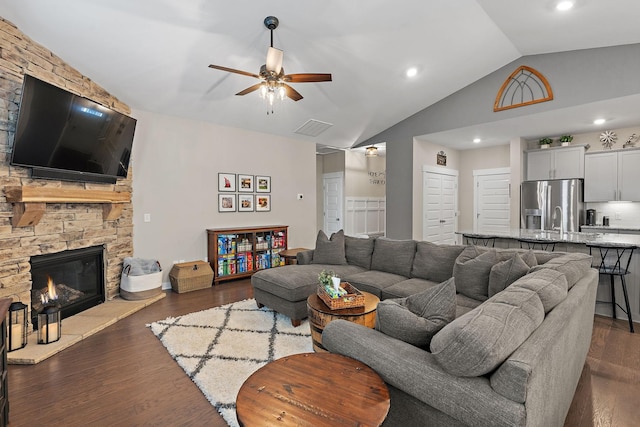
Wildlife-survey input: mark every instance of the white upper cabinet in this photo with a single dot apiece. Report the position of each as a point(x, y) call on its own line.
point(612, 176)
point(555, 163)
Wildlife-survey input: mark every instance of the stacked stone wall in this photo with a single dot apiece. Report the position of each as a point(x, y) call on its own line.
point(64, 225)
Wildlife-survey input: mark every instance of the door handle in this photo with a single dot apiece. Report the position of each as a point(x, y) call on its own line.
point(442, 220)
point(337, 219)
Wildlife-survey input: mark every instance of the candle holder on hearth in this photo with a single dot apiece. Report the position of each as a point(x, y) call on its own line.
point(49, 324)
point(17, 326)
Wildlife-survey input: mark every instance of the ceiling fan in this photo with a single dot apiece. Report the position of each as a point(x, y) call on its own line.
point(274, 80)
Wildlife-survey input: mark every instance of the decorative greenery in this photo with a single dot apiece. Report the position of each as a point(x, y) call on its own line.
point(325, 277)
point(566, 138)
point(545, 141)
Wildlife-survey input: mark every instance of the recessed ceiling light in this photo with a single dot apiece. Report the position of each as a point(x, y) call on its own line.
point(477, 140)
point(564, 5)
point(411, 72)
point(599, 121)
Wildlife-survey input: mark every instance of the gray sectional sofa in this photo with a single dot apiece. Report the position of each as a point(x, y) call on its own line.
point(465, 335)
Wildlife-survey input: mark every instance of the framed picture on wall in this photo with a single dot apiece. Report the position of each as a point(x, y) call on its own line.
point(263, 184)
point(263, 203)
point(245, 183)
point(245, 202)
point(227, 182)
point(226, 202)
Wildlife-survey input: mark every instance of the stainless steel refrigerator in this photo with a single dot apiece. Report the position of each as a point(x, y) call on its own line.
point(545, 204)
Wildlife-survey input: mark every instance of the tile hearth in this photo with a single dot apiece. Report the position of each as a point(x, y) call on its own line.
point(78, 327)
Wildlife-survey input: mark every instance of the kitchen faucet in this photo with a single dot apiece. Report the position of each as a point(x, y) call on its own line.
point(553, 218)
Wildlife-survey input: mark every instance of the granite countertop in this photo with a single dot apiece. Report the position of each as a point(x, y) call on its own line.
point(555, 236)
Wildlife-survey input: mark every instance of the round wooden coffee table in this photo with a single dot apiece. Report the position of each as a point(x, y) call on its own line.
point(313, 389)
point(320, 315)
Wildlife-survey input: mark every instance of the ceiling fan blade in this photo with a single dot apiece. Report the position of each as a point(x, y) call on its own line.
point(307, 78)
point(231, 70)
point(292, 93)
point(249, 89)
point(274, 60)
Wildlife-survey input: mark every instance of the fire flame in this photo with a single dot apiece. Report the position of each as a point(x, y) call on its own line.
point(51, 294)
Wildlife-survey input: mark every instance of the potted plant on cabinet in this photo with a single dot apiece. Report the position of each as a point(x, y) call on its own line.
point(545, 142)
point(565, 140)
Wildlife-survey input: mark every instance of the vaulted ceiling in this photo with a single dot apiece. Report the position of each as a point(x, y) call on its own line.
point(154, 54)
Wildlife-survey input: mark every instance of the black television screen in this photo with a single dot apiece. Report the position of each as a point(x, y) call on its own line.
point(65, 136)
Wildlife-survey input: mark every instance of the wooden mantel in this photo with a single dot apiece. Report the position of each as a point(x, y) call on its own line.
point(29, 203)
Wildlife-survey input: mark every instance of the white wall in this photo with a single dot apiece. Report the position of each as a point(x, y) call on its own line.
point(175, 165)
point(364, 176)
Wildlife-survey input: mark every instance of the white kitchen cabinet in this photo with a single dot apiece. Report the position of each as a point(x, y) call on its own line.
point(612, 176)
point(555, 163)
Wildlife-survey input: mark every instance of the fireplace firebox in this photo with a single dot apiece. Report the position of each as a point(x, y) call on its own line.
point(74, 280)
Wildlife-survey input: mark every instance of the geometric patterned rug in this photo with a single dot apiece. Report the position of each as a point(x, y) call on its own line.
point(221, 347)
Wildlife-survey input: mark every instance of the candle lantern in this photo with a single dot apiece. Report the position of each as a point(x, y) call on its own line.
point(49, 325)
point(17, 326)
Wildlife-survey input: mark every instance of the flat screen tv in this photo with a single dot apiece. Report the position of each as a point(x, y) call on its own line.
point(64, 136)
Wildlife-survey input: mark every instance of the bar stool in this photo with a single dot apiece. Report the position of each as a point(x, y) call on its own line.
point(545, 245)
point(615, 259)
point(479, 239)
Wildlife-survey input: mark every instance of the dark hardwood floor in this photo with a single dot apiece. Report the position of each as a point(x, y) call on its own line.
point(123, 376)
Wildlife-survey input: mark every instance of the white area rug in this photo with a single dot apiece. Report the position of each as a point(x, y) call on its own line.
point(219, 348)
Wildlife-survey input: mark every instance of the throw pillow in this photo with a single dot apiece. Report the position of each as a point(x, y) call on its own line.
point(505, 273)
point(435, 262)
point(417, 318)
point(476, 343)
point(549, 284)
point(358, 251)
point(393, 256)
point(329, 250)
point(472, 270)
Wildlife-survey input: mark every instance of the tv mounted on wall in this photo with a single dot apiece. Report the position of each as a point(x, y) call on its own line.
point(64, 136)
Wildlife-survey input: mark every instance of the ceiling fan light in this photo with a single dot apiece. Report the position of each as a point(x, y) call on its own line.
point(274, 60)
point(371, 151)
point(282, 92)
point(263, 90)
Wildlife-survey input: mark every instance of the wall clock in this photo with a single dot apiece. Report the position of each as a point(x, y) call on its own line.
point(608, 138)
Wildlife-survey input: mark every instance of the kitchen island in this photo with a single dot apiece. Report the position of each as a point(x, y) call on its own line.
point(577, 242)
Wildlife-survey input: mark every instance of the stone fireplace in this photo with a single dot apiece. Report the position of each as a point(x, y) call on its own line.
point(63, 226)
point(74, 280)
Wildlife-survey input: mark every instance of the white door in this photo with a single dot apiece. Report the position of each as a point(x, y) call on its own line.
point(492, 200)
point(440, 204)
point(332, 184)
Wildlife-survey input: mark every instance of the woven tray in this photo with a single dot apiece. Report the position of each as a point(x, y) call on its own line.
point(354, 298)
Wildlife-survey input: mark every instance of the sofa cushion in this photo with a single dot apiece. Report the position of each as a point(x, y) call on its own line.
point(373, 281)
point(417, 318)
point(573, 265)
point(435, 262)
point(471, 271)
point(393, 256)
point(358, 251)
point(549, 284)
point(329, 250)
point(477, 342)
point(505, 273)
point(406, 288)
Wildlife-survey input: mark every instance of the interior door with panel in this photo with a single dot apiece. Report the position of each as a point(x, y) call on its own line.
point(332, 184)
point(492, 201)
point(440, 204)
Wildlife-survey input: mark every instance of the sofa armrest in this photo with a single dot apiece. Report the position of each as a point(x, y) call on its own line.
point(305, 257)
point(414, 371)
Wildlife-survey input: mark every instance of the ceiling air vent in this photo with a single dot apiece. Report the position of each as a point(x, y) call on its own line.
point(313, 128)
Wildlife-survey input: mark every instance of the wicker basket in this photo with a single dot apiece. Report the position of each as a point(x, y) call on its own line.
point(191, 276)
point(353, 298)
